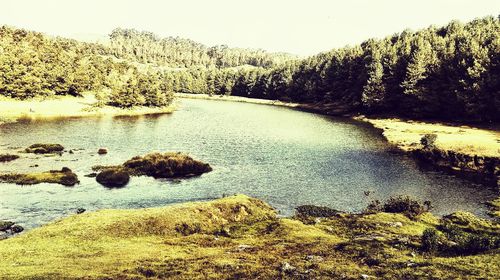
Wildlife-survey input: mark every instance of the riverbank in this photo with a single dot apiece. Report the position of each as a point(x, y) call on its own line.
point(66, 106)
point(242, 237)
point(238, 99)
point(463, 150)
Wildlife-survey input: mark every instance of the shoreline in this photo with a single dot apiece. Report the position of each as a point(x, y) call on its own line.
point(465, 151)
point(12, 110)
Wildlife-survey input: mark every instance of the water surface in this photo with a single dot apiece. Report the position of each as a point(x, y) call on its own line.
point(283, 156)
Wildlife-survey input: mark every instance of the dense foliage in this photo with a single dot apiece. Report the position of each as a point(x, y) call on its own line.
point(450, 73)
point(32, 64)
point(146, 47)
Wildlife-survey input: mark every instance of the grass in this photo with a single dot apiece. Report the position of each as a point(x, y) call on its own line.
point(460, 139)
point(230, 238)
point(157, 165)
point(66, 106)
point(64, 177)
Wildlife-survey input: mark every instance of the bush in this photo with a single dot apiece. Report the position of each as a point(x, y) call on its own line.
point(430, 240)
point(401, 204)
point(316, 211)
point(428, 140)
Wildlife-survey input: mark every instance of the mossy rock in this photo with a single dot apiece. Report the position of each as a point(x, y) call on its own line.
point(5, 225)
point(166, 165)
point(113, 177)
point(8, 157)
point(44, 149)
point(64, 177)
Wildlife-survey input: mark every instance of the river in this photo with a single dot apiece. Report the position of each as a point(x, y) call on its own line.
point(283, 156)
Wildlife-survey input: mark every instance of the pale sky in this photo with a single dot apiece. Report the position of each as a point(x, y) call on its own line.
point(299, 27)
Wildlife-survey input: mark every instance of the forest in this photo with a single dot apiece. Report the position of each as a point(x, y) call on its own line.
point(447, 73)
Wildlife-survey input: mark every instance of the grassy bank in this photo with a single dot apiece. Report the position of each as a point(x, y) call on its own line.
point(462, 139)
point(66, 106)
point(238, 237)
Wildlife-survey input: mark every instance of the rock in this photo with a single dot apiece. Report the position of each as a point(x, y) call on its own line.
point(113, 178)
point(243, 247)
point(91, 175)
point(102, 151)
point(313, 258)
point(45, 149)
point(287, 268)
point(8, 157)
point(365, 276)
point(396, 224)
point(71, 152)
point(16, 229)
point(80, 210)
point(5, 225)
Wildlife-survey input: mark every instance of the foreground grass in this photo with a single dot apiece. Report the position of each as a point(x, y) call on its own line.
point(234, 237)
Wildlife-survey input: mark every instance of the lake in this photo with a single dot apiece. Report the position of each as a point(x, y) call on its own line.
point(285, 157)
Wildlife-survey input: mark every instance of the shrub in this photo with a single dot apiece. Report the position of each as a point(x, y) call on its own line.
point(400, 204)
point(316, 211)
point(428, 140)
point(430, 240)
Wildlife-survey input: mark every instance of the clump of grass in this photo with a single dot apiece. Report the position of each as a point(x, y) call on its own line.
point(462, 233)
point(166, 165)
point(8, 157)
point(64, 177)
point(157, 165)
point(400, 204)
point(44, 148)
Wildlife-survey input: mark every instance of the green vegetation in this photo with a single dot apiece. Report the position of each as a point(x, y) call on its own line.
point(448, 73)
point(400, 204)
point(166, 165)
point(157, 165)
point(8, 157)
point(237, 237)
point(34, 65)
point(45, 149)
point(64, 177)
point(146, 47)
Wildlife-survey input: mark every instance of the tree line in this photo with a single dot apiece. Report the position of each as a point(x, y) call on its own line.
point(34, 65)
point(146, 47)
point(447, 73)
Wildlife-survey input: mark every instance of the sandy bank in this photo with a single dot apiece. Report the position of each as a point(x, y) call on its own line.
point(461, 139)
point(38, 108)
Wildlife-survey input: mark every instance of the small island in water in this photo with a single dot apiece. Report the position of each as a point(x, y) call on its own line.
point(142, 157)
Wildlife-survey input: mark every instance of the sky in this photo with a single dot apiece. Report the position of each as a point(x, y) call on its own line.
point(293, 26)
